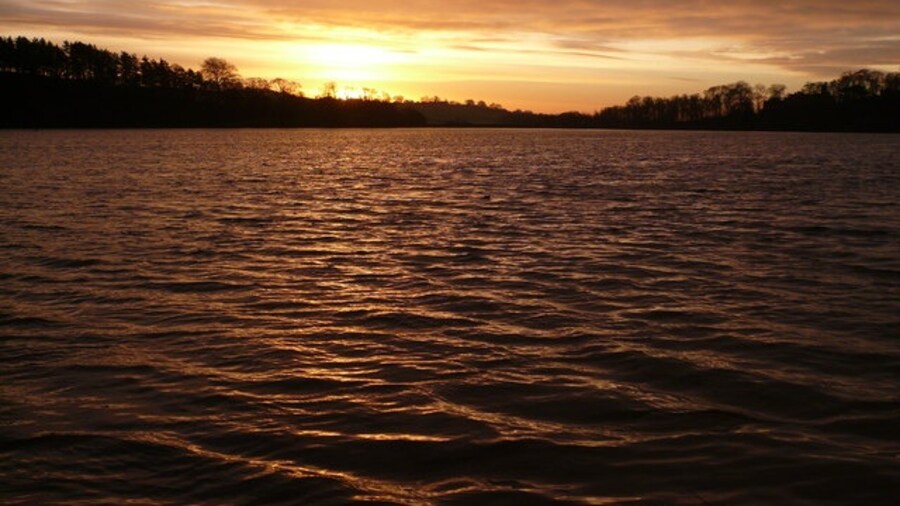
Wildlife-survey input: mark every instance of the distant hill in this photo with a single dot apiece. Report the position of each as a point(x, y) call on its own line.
point(442, 113)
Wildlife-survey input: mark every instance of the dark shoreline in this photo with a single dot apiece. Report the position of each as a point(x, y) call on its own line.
point(38, 101)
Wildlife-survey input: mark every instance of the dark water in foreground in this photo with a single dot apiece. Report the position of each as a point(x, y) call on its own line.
point(449, 316)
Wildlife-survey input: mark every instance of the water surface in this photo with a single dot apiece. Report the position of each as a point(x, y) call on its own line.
point(449, 317)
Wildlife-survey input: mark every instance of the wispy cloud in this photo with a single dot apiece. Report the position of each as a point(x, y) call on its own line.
point(693, 39)
point(833, 30)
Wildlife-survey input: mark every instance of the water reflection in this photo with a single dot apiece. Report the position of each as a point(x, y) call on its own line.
point(329, 316)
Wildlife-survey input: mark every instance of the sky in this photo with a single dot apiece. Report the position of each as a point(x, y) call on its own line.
point(540, 55)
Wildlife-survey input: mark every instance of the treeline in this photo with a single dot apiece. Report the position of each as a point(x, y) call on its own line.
point(80, 85)
point(862, 100)
point(726, 105)
point(80, 61)
point(87, 62)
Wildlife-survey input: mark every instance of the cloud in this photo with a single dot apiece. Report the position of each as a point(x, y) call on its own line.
point(143, 19)
point(883, 53)
point(808, 36)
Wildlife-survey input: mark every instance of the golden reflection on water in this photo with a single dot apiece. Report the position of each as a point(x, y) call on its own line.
point(436, 316)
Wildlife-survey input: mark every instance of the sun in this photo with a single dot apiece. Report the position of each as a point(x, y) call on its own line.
point(350, 93)
point(355, 63)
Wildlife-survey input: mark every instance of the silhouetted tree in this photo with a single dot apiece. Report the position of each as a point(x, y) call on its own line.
point(257, 83)
point(329, 90)
point(776, 91)
point(286, 86)
point(219, 74)
point(858, 85)
point(129, 69)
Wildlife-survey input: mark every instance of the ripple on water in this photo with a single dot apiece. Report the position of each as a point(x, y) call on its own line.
point(449, 317)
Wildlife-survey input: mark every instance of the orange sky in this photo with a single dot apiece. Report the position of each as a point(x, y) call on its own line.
point(547, 56)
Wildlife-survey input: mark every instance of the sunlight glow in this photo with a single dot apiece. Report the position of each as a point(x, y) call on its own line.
point(548, 57)
point(353, 63)
point(345, 93)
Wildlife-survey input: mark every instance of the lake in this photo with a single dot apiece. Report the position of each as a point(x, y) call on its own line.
point(449, 316)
